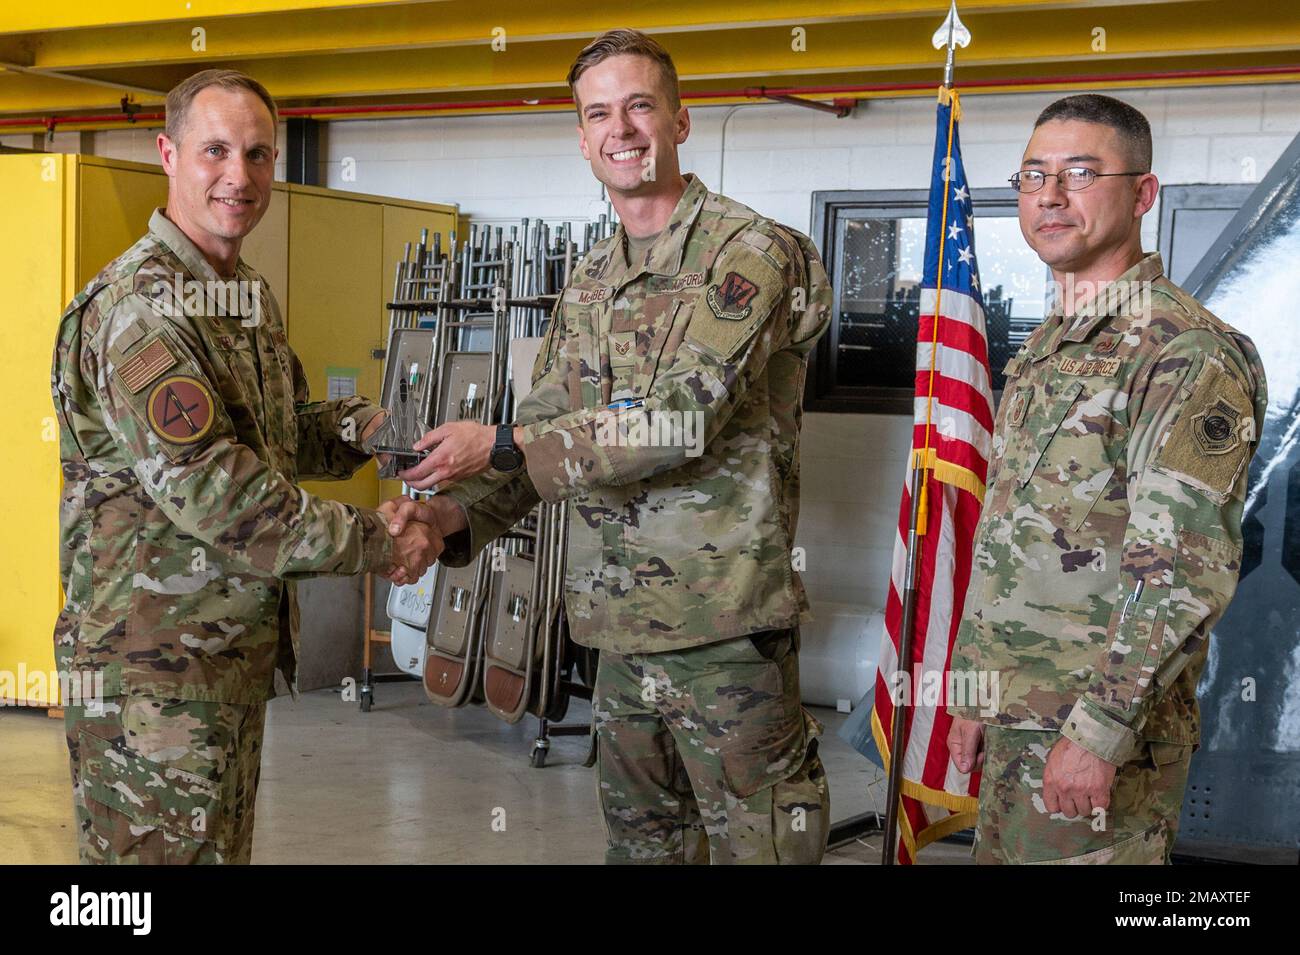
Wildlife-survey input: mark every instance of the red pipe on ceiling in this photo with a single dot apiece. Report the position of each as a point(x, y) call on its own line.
point(749, 92)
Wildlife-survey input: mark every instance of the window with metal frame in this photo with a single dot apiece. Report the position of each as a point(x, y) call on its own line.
point(873, 244)
point(1191, 218)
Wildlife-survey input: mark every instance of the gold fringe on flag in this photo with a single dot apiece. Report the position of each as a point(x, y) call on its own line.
point(949, 473)
point(965, 809)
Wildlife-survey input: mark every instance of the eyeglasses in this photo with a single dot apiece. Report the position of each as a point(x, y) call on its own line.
point(1071, 180)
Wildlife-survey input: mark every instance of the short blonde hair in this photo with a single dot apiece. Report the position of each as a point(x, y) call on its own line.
point(625, 42)
point(183, 93)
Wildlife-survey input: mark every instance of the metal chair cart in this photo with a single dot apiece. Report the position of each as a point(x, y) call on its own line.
point(494, 632)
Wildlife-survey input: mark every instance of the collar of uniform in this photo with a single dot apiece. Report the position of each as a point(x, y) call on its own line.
point(1111, 298)
point(666, 254)
point(171, 236)
point(1044, 339)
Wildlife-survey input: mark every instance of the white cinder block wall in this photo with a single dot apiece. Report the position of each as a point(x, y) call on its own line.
point(134, 145)
point(502, 168)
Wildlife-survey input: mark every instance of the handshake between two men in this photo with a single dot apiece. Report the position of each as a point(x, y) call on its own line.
point(458, 450)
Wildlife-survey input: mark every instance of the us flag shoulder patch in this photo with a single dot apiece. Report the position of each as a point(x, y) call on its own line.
point(145, 365)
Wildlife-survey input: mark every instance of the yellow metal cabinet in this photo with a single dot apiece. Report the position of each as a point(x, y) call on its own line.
point(334, 286)
point(37, 266)
point(113, 205)
point(266, 248)
point(328, 256)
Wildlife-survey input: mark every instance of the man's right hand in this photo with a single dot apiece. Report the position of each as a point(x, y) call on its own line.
point(439, 517)
point(415, 549)
point(966, 744)
point(439, 511)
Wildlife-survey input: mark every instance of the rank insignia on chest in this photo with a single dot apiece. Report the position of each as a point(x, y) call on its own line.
point(1019, 409)
point(1105, 345)
point(1087, 367)
point(1217, 429)
point(622, 348)
point(730, 299)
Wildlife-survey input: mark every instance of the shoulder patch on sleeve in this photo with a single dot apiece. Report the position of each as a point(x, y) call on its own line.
point(731, 298)
point(180, 410)
point(743, 288)
point(145, 365)
point(1211, 440)
point(154, 393)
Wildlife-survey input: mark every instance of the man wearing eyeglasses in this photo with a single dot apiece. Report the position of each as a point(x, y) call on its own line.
point(1110, 539)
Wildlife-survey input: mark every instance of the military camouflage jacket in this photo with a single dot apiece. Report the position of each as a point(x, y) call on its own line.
point(184, 427)
point(1110, 538)
point(666, 408)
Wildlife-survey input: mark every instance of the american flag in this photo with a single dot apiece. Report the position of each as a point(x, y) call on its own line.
point(952, 434)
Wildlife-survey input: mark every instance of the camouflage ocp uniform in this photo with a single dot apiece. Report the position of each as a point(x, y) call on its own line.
point(184, 428)
point(1108, 546)
point(679, 561)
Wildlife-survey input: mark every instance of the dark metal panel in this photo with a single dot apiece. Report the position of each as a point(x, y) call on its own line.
point(302, 151)
point(1244, 791)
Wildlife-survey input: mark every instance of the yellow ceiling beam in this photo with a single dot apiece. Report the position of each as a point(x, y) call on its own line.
point(452, 23)
point(19, 91)
point(73, 14)
point(441, 49)
point(90, 14)
point(970, 81)
point(885, 46)
point(971, 78)
point(114, 83)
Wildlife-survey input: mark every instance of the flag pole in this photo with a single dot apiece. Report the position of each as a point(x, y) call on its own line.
point(951, 34)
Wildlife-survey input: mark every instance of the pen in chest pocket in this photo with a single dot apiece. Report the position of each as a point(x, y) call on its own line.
point(1133, 598)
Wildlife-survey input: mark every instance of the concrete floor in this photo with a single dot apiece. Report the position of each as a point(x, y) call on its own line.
point(408, 782)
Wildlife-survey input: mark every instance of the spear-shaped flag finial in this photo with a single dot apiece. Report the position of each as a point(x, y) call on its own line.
point(951, 34)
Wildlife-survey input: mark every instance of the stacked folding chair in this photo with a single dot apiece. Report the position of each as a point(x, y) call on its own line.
point(464, 326)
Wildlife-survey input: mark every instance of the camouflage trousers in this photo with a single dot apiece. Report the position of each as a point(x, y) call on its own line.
point(1137, 829)
point(165, 781)
point(706, 754)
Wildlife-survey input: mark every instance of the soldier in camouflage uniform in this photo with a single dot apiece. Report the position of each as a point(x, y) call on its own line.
point(184, 426)
point(679, 561)
point(1110, 538)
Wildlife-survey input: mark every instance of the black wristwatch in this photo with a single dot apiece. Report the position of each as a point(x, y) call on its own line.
point(505, 456)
